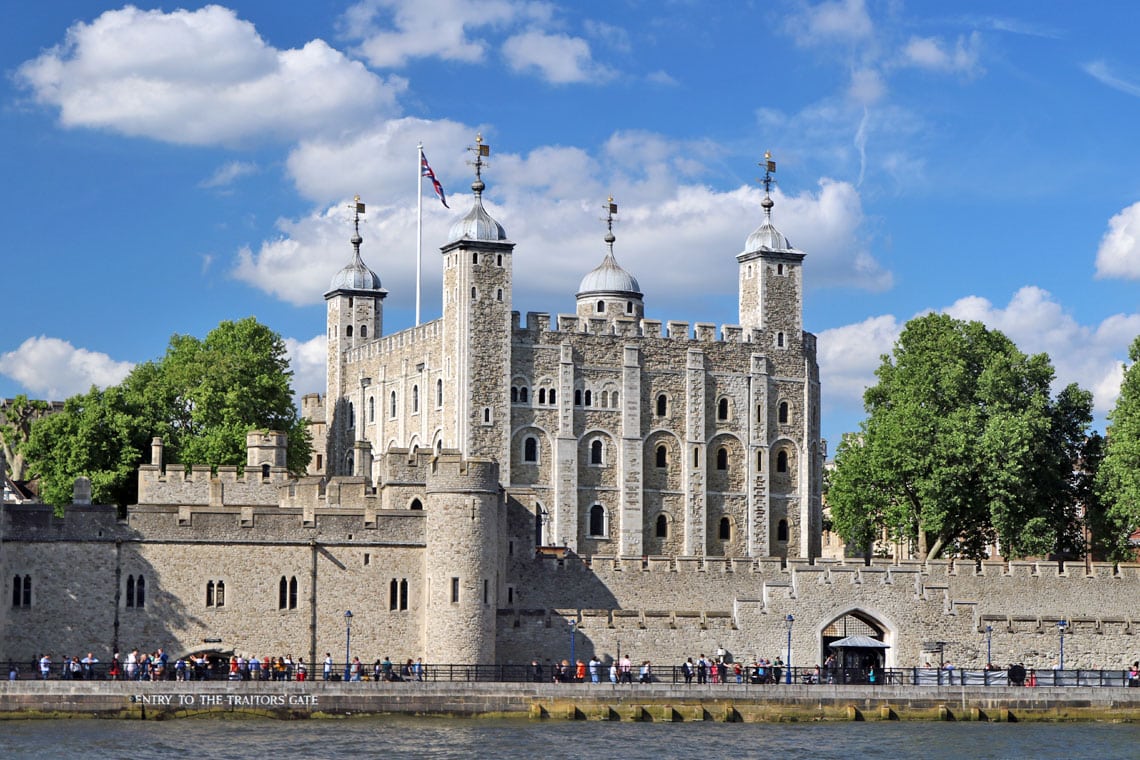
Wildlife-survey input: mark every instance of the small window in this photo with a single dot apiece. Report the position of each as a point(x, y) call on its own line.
point(140, 592)
point(588, 399)
point(759, 461)
point(662, 456)
point(351, 415)
point(392, 404)
point(265, 472)
point(416, 504)
point(486, 415)
point(514, 394)
point(759, 414)
point(293, 593)
point(577, 398)
point(662, 526)
point(455, 591)
point(596, 452)
point(782, 530)
point(722, 458)
point(782, 462)
point(499, 260)
point(209, 593)
point(320, 461)
point(474, 258)
point(597, 520)
point(404, 594)
point(130, 591)
point(486, 591)
point(722, 409)
point(614, 399)
point(371, 408)
point(474, 293)
point(662, 405)
point(696, 456)
point(779, 340)
point(393, 595)
point(348, 331)
point(220, 594)
point(629, 307)
point(21, 591)
point(499, 294)
point(542, 395)
point(600, 307)
point(530, 449)
point(415, 399)
point(725, 529)
point(439, 393)
point(524, 395)
point(364, 331)
point(783, 412)
point(553, 399)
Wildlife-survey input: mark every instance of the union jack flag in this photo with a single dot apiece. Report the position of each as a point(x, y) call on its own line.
point(426, 171)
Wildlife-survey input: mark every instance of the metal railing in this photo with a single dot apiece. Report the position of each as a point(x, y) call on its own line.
point(768, 677)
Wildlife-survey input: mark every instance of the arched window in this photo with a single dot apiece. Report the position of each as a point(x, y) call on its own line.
point(348, 463)
point(629, 307)
point(725, 529)
point(392, 404)
point(351, 415)
point(614, 399)
point(514, 394)
point(499, 260)
point(474, 258)
point(130, 591)
point(348, 331)
point(542, 395)
point(474, 293)
point(722, 458)
point(780, 269)
point(662, 405)
point(415, 399)
point(416, 504)
point(140, 591)
point(596, 452)
point(779, 340)
point(722, 409)
point(404, 594)
point(553, 396)
point(782, 462)
point(600, 307)
point(27, 591)
point(439, 393)
point(759, 461)
point(662, 456)
point(499, 294)
point(364, 331)
point(265, 472)
point(220, 596)
point(577, 397)
point(524, 395)
point(783, 414)
point(293, 593)
point(371, 408)
point(21, 591)
point(283, 593)
point(209, 593)
point(530, 449)
point(588, 399)
point(597, 520)
point(696, 456)
point(782, 530)
point(603, 399)
point(487, 415)
point(394, 595)
point(662, 526)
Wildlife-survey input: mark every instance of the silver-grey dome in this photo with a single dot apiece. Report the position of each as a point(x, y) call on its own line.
point(766, 237)
point(355, 276)
point(477, 224)
point(608, 277)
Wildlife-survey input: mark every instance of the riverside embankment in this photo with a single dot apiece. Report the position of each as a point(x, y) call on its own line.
point(652, 702)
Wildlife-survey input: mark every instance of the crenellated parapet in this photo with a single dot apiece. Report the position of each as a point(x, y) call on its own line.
point(540, 323)
point(256, 484)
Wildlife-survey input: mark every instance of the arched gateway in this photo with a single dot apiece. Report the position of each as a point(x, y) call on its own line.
point(865, 643)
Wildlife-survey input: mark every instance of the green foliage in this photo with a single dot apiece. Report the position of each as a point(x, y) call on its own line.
point(1118, 480)
point(16, 418)
point(962, 446)
point(201, 398)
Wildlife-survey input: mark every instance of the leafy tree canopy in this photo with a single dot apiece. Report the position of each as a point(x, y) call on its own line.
point(1118, 479)
point(202, 398)
point(962, 447)
point(16, 418)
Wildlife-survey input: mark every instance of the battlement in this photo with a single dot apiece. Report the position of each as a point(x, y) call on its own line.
point(701, 332)
point(313, 407)
point(450, 472)
point(406, 338)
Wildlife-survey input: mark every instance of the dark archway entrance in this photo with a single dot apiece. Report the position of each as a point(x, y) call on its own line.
point(850, 662)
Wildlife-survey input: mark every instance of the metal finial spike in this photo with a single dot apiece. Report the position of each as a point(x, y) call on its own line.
point(611, 209)
point(769, 168)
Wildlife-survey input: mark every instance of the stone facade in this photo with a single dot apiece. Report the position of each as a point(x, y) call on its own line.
point(484, 489)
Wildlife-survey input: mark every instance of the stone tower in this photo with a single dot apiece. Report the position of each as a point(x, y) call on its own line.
point(462, 569)
point(477, 328)
point(354, 305)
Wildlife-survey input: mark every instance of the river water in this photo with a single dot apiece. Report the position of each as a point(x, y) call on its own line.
point(401, 737)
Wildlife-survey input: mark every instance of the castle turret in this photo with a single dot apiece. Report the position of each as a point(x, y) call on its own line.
point(609, 291)
point(477, 327)
point(354, 304)
point(462, 568)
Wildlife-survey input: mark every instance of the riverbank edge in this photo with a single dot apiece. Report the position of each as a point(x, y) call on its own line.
point(652, 702)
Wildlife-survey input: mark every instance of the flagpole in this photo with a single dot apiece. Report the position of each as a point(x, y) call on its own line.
point(419, 222)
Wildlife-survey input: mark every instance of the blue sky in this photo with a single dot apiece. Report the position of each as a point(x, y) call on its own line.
point(166, 168)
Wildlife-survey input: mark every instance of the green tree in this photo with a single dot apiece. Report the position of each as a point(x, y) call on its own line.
point(962, 445)
point(1118, 480)
point(201, 398)
point(16, 418)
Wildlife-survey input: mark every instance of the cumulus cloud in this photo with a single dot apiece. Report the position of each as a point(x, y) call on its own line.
point(308, 360)
point(392, 32)
point(54, 369)
point(840, 20)
point(934, 54)
point(200, 77)
point(1119, 251)
point(559, 58)
point(849, 356)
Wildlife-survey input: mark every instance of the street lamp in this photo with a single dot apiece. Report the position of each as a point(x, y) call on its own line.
point(788, 621)
point(1061, 626)
point(347, 644)
point(989, 642)
point(573, 629)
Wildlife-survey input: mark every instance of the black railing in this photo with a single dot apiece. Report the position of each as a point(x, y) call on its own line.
point(748, 677)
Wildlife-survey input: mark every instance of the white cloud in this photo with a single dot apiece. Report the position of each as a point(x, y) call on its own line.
point(841, 20)
point(227, 174)
point(200, 77)
point(54, 369)
point(867, 87)
point(309, 361)
point(559, 58)
point(848, 358)
point(396, 31)
point(661, 78)
point(1099, 71)
point(934, 54)
point(1119, 251)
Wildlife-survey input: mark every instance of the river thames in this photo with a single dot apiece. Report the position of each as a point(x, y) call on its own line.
point(465, 738)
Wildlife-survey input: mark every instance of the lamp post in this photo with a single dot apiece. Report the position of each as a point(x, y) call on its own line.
point(1061, 625)
point(989, 641)
point(347, 644)
point(788, 621)
point(573, 630)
